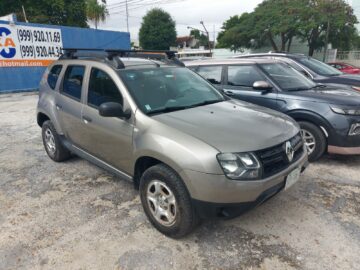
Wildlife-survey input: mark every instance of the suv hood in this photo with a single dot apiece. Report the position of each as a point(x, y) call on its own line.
point(347, 79)
point(233, 126)
point(330, 95)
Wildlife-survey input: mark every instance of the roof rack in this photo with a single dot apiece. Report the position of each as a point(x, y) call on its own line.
point(113, 55)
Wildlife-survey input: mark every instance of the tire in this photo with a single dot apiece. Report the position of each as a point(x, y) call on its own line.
point(53, 146)
point(182, 218)
point(309, 130)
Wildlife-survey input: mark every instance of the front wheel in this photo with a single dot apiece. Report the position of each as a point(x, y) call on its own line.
point(166, 201)
point(314, 140)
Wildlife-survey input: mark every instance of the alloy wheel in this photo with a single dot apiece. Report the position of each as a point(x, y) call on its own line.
point(309, 141)
point(162, 203)
point(50, 141)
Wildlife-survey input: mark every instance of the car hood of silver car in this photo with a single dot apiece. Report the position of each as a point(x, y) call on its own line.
point(233, 126)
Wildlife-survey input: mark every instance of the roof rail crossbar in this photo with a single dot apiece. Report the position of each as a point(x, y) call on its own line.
point(113, 55)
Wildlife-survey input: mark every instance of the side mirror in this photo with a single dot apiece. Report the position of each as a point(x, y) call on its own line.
point(262, 85)
point(113, 109)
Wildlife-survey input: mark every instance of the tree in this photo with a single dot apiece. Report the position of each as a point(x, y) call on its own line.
point(96, 12)
point(157, 30)
point(284, 20)
point(238, 33)
point(57, 12)
point(321, 15)
point(203, 39)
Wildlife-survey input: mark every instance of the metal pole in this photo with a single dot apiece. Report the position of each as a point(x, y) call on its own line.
point(207, 33)
point(23, 9)
point(127, 16)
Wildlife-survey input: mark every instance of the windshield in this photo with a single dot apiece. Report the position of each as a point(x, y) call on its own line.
point(319, 67)
point(159, 90)
point(287, 78)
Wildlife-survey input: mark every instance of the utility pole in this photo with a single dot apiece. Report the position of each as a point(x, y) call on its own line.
point(207, 33)
point(23, 9)
point(127, 16)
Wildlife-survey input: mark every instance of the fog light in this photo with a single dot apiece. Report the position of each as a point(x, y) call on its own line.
point(355, 129)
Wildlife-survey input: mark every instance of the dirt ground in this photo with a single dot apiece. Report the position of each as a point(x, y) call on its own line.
point(74, 215)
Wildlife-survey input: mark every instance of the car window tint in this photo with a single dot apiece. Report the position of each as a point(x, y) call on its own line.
point(102, 89)
point(54, 76)
point(73, 81)
point(212, 74)
point(243, 75)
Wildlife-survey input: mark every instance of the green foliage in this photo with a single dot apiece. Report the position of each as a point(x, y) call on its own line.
point(57, 12)
point(157, 30)
point(203, 40)
point(287, 19)
point(96, 12)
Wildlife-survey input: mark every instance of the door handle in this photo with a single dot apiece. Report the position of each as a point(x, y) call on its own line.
point(86, 119)
point(58, 107)
point(229, 93)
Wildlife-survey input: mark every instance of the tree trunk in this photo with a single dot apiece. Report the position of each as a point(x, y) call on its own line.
point(273, 44)
point(311, 50)
point(289, 44)
point(283, 42)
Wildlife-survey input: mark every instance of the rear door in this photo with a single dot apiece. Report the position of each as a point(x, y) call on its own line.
point(68, 102)
point(239, 80)
point(108, 138)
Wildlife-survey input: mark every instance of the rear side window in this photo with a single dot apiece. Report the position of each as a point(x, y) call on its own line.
point(54, 76)
point(73, 81)
point(243, 75)
point(102, 89)
point(212, 74)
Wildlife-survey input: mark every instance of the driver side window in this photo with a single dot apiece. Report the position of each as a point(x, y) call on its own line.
point(244, 75)
point(102, 89)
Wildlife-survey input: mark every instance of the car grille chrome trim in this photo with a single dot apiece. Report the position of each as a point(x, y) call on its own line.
point(274, 159)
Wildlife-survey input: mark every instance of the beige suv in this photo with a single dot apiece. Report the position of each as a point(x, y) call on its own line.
point(191, 151)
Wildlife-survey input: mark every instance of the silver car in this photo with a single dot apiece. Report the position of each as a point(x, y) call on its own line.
point(191, 151)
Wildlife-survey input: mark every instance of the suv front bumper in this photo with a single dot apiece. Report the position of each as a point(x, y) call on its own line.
point(217, 192)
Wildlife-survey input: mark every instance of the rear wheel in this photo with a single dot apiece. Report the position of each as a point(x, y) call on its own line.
point(166, 201)
point(314, 140)
point(53, 146)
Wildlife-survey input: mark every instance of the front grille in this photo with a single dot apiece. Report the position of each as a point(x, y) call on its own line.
point(274, 159)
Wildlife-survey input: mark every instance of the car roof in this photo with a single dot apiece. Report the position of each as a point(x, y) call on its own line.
point(289, 55)
point(129, 62)
point(230, 61)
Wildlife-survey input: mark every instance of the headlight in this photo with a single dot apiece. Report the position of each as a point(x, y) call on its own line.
point(345, 111)
point(240, 166)
point(357, 88)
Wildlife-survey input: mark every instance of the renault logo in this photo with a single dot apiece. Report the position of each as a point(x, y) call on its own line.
point(289, 150)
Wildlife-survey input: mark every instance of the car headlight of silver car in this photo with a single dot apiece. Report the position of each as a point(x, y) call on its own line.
point(346, 111)
point(240, 166)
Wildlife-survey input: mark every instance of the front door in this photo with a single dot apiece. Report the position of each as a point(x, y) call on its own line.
point(107, 138)
point(239, 85)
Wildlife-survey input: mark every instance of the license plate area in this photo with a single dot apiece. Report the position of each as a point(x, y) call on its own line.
point(292, 178)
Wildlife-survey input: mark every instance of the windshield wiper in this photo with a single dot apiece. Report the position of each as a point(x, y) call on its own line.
point(319, 86)
point(206, 102)
point(168, 109)
point(298, 89)
point(179, 108)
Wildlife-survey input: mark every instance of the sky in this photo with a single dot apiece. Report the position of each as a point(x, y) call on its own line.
point(184, 12)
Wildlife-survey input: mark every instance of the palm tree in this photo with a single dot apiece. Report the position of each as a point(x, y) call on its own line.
point(96, 12)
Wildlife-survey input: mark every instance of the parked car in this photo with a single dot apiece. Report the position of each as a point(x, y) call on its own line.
point(345, 68)
point(329, 117)
point(170, 132)
point(314, 69)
